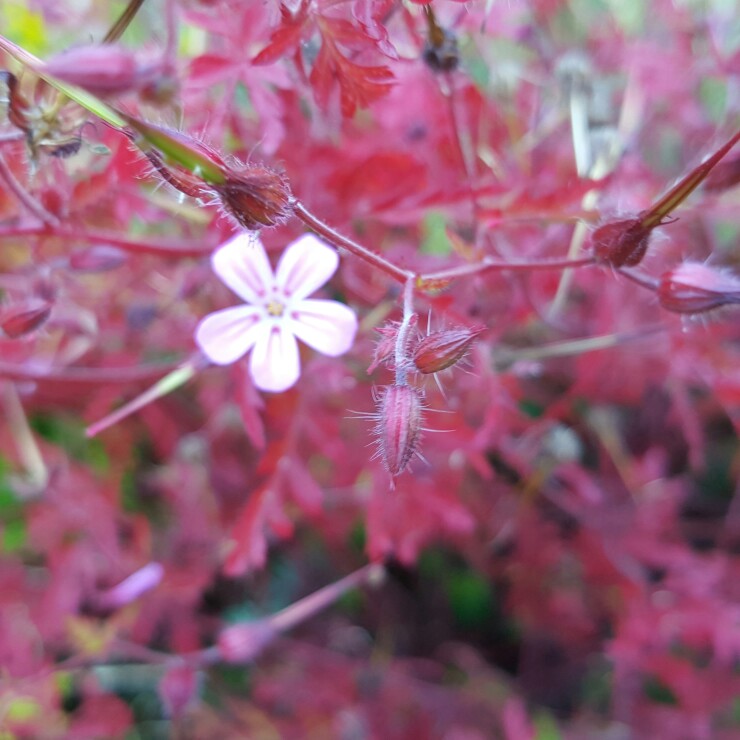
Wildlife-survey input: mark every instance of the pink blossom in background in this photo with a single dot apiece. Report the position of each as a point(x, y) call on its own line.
point(278, 310)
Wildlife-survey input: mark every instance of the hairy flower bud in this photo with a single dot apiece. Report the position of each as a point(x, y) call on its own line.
point(625, 242)
point(620, 243)
point(442, 349)
point(101, 69)
point(693, 288)
point(19, 320)
point(399, 426)
point(385, 349)
point(255, 196)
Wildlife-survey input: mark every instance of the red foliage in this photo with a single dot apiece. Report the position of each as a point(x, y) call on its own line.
point(555, 515)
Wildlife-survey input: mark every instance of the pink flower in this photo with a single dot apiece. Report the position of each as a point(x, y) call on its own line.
point(277, 311)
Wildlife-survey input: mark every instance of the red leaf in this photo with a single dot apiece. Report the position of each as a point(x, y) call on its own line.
point(282, 41)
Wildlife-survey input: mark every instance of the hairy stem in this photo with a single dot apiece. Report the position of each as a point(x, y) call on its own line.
point(343, 242)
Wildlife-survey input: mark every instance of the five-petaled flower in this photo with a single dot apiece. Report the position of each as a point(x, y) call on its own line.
point(278, 310)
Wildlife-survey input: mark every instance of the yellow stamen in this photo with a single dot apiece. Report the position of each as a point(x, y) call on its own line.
point(275, 308)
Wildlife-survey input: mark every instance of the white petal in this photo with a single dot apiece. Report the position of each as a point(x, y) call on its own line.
point(242, 264)
point(225, 336)
point(274, 364)
point(305, 266)
point(326, 326)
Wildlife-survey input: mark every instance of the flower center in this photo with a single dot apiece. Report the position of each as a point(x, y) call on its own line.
point(275, 308)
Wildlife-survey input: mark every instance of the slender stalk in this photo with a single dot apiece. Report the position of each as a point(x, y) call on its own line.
point(170, 382)
point(429, 279)
point(123, 22)
point(28, 201)
point(158, 247)
point(403, 332)
point(82, 375)
point(308, 606)
point(508, 356)
point(645, 281)
point(343, 242)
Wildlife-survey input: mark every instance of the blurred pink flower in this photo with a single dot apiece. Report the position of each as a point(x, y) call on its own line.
point(277, 311)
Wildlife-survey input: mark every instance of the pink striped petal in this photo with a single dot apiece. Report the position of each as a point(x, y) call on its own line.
point(305, 266)
point(241, 264)
point(274, 363)
point(225, 336)
point(326, 326)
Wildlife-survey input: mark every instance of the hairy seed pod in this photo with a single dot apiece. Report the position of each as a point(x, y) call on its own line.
point(442, 349)
point(399, 426)
point(255, 196)
point(620, 243)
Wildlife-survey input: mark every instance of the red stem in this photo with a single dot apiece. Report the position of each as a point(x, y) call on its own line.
point(642, 280)
point(84, 375)
point(161, 248)
point(343, 242)
point(489, 265)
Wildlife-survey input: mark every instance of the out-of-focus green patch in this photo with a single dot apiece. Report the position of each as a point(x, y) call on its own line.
point(69, 434)
point(23, 26)
point(545, 727)
point(629, 15)
point(192, 41)
point(658, 692)
point(13, 530)
point(435, 239)
point(726, 235)
point(531, 408)
point(22, 709)
point(471, 599)
point(14, 535)
point(358, 536)
point(234, 678)
point(713, 96)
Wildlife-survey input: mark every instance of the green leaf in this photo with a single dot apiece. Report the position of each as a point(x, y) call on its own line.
point(435, 239)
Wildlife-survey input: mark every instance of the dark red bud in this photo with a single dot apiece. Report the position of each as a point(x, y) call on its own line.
point(255, 196)
point(442, 349)
point(19, 320)
point(620, 243)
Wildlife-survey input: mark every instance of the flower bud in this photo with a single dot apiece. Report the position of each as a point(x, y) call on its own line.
point(399, 426)
point(100, 69)
point(131, 588)
point(620, 243)
point(442, 349)
point(385, 349)
point(255, 196)
point(693, 288)
point(19, 320)
point(174, 148)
